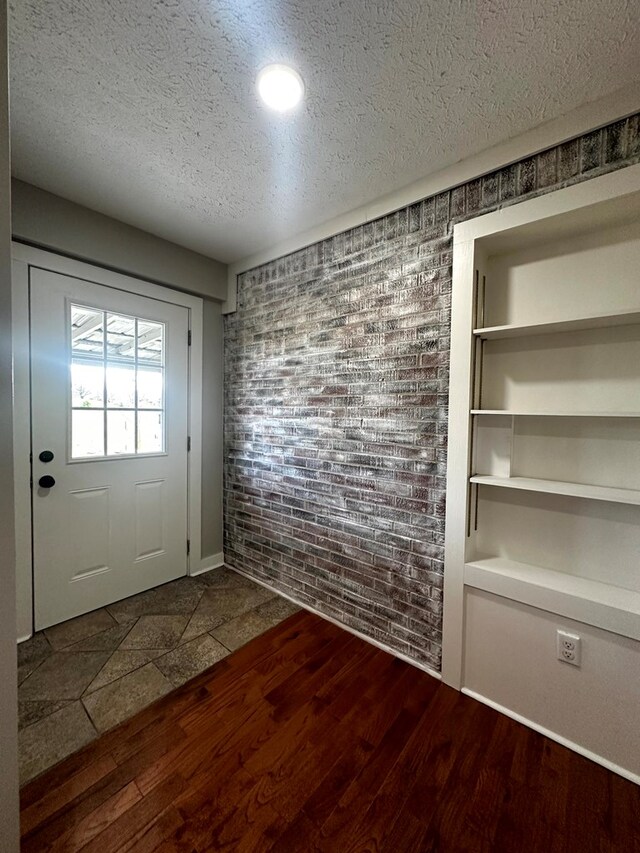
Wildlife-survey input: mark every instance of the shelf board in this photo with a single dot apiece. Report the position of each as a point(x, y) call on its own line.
point(601, 604)
point(557, 487)
point(523, 414)
point(622, 318)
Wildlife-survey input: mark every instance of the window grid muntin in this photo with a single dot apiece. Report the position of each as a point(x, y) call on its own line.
point(105, 360)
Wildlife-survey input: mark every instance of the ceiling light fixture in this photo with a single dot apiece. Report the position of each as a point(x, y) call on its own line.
point(280, 87)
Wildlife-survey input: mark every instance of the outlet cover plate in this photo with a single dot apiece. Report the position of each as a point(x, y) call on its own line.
point(569, 647)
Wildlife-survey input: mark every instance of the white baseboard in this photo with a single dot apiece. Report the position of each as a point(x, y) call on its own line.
point(615, 768)
point(215, 561)
point(432, 672)
point(22, 639)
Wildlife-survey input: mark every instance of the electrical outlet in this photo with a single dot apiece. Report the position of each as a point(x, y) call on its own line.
point(568, 647)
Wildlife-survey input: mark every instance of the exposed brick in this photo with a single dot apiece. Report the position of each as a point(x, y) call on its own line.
point(633, 136)
point(591, 151)
point(442, 208)
point(508, 178)
point(414, 218)
point(458, 202)
point(615, 142)
point(336, 391)
point(568, 160)
point(490, 190)
point(428, 212)
point(527, 176)
point(547, 168)
point(474, 196)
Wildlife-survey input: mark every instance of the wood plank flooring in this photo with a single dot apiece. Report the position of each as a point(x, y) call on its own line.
point(308, 739)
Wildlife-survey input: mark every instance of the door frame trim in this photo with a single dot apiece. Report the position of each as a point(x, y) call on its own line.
point(24, 257)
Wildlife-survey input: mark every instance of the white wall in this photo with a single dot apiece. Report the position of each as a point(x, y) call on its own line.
point(8, 665)
point(510, 659)
point(212, 429)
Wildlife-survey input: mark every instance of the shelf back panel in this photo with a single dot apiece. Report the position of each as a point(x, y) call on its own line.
point(596, 451)
point(595, 273)
point(590, 539)
point(492, 446)
point(592, 370)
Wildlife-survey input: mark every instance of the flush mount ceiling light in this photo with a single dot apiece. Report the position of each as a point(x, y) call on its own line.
point(280, 87)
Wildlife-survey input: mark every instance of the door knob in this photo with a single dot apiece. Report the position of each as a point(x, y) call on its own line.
point(46, 456)
point(46, 482)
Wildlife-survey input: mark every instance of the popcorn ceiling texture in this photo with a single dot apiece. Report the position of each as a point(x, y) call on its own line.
point(337, 365)
point(147, 111)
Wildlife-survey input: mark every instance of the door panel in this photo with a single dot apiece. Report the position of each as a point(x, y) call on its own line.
point(109, 400)
point(91, 513)
point(150, 499)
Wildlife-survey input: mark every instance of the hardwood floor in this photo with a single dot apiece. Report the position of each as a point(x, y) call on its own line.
point(308, 739)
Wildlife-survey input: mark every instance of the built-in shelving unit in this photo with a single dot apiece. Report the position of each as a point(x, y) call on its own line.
point(543, 482)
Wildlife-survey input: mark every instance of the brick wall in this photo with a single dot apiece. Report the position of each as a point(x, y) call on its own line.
point(336, 385)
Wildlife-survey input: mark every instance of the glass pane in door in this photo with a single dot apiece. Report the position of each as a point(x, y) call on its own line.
point(117, 372)
point(150, 390)
point(150, 432)
point(87, 430)
point(121, 433)
point(121, 386)
point(87, 384)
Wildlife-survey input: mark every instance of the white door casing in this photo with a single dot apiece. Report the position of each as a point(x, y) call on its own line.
point(115, 522)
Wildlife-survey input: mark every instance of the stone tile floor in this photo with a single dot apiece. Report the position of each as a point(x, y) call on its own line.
point(84, 676)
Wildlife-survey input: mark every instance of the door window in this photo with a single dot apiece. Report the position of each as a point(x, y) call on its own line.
point(117, 384)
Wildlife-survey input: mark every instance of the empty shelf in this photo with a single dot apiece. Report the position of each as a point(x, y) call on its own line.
point(557, 487)
point(623, 318)
point(601, 604)
point(523, 414)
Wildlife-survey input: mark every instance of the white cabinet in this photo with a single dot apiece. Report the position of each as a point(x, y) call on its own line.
point(543, 486)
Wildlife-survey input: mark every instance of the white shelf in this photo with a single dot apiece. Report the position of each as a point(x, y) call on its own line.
point(523, 414)
point(557, 487)
point(603, 605)
point(623, 318)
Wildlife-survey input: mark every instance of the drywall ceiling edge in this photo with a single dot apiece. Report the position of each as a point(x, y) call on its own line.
point(622, 103)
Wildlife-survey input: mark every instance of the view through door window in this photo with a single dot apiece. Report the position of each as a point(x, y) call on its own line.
point(117, 384)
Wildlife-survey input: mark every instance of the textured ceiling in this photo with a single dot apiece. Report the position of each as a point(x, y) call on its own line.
point(146, 109)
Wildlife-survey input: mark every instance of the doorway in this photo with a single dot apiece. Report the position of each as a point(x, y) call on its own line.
point(109, 376)
point(111, 402)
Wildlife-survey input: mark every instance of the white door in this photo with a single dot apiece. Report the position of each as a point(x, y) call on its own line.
point(109, 425)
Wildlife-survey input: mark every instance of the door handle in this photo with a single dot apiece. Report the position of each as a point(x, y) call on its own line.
point(45, 456)
point(46, 482)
